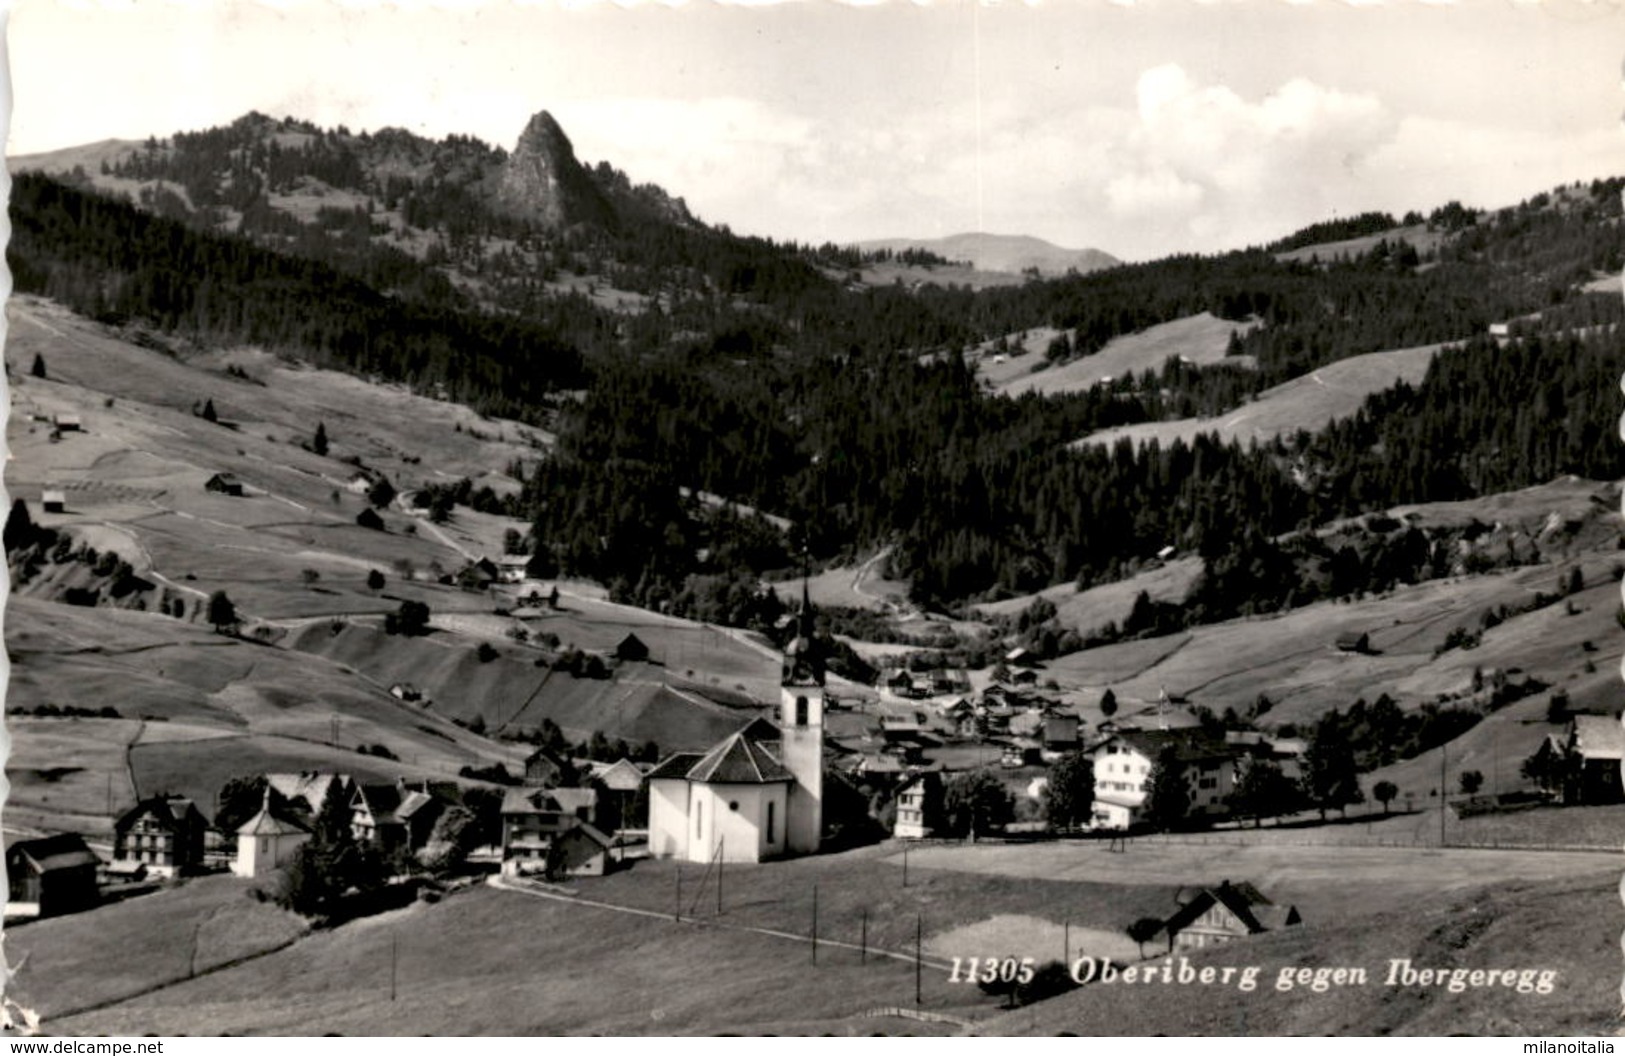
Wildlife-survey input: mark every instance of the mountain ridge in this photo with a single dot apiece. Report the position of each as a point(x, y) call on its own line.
point(986, 251)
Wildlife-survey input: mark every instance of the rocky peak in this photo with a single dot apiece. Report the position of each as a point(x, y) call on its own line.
point(543, 180)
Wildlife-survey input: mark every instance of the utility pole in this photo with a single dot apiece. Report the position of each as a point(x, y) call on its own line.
point(721, 859)
point(815, 925)
point(917, 931)
point(677, 911)
point(905, 864)
point(393, 957)
point(1444, 789)
point(863, 942)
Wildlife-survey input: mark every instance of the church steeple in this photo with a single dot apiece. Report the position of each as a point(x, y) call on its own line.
point(804, 657)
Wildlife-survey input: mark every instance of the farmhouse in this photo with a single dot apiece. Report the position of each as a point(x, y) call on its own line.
point(759, 794)
point(1061, 732)
point(225, 484)
point(375, 816)
point(163, 833)
point(617, 784)
point(54, 501)
point(919, 804)
point(50, 876)
point(543, 769)
point(1123, 762)
point(532, 818)
point(68, 423)
point(582, 850)
point(511, 567)
point(1229, 911)
point(267, 841)
point(1596, 751)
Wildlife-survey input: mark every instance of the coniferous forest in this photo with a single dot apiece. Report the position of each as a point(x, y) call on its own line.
point(763, 373)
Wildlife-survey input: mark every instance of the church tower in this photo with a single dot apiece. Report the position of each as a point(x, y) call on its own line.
point(801, 727)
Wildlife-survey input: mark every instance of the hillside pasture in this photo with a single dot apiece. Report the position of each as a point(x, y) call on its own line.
point(1310, 403)
point(1201, 339)
point(1091, 609)
point(1421, 236)
point(128, 947)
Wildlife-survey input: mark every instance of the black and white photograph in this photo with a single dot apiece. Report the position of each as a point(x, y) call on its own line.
point(581, 518)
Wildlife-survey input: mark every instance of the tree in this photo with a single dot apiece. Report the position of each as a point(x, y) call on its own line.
point(1385, 792)
point(222, 613)
point(1167, 799)
point(375, 580)
point(382, 493)
point(1144, 930)
point(309, 576)
point(1330, 776)
point(330, 864)
point(20, 530)
point(208, 411)
point(512, 542)
point(1545, 769)
point(1108, 703)
point(240, 799)
point(1070, 794)
point(1471, 782)
point(976, 801)
point(318, 444)
point(1263, 791)
point(411, 618)
point(38, 369)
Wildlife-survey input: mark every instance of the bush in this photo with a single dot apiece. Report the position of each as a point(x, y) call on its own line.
point(486, 652)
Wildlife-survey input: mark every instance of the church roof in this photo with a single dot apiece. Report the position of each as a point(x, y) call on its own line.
point(267, 823)
point(739, 761)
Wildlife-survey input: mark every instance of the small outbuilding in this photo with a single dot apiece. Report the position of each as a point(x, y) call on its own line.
point(54, 501)
point(631, 648)
point(225, 484)
point(1354, 642)
point(51, 876)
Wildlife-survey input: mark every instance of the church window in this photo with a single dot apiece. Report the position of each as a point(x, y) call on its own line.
point(699, 814)
point(733, 804)
point(770, 836)
point(801, 711)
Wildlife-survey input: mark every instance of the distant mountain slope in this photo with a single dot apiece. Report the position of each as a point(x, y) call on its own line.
point(1011, 253)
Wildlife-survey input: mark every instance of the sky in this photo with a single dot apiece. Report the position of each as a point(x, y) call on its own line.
point(1138, 128)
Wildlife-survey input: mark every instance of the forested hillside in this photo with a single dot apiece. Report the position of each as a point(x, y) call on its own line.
point(762, 373)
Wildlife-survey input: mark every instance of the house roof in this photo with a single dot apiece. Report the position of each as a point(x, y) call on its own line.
point(414, 802)
point(171, 811)
point(589, 831)
point(308, 785)
point(547, 800)
point(739, 760)
point(622, 775)
point(269, 823)
point(1189, 746)
point(49, 854)
point(1599, 737)
point(1249, 906)
point(676, 766)
point(382, 800)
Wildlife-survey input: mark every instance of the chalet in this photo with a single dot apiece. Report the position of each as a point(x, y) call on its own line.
point(375, 816)
point(1123, 762)
point(1025, 677)
point(54, 501)
point(68, 423)
point(511, 568)
point(881, 768)
point(1165, 553)
point(582, 850)
point(1224, 913)
point(919, 803)
point(1596, 750)
point(899, 682)
point(1501, 333)
point(1354, 642)
point(533, 817)
point(405, 691)
point(478, 575)
point(1028, 725)
point(360, 483)
point(164, 833)
point(617, 785)
point(631, 648)
point(368, 518)
point(225, 484)
point(268, 841)
point(543, 769)
point(51, 876)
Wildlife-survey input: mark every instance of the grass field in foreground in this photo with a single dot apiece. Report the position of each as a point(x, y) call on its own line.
point(488, 962)
point(1569, 927)
point(120, 949)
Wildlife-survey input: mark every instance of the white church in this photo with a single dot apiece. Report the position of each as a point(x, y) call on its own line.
point(759, 794)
